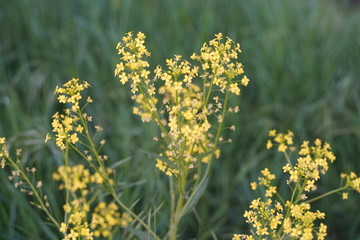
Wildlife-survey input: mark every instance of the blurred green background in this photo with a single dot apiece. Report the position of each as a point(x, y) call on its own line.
point(303, 59)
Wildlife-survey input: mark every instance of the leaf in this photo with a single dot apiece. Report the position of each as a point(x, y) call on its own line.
point(120, 162)
point(124, 185)
point(140, 234)
point(195, 196)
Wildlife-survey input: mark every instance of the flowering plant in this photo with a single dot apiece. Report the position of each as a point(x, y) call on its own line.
point(291, 218)
point(189, 104)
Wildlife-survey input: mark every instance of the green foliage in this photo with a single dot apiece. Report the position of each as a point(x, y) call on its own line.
point(302, 57)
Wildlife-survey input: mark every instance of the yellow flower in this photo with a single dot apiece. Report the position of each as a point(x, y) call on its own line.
point(282, 140)
point(265, 217)
point(253, 185)
point(266, 182)
point(63, 227)
point(269, 144)
point(314, 161)
point(3, 151)
point(322, 231)
point(78, 227)
point(345, 195)
point(352, 181)
point(64, 124)
point(106, 217)
point(3, 163)
point(272, 133)
point(300, 223)
point(245, 81)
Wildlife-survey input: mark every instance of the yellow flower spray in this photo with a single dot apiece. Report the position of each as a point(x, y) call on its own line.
point(189, 103)
point(291, 218)
point(82, 184)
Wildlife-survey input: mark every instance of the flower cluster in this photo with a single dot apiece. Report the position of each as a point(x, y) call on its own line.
point(299, 223)
point(313, 160)
point(67, 126)
point(180, 106)
point(242, 237)
point(3, 152)
point(77, 227)
point(187, 122)
point(290, 218)
point(78, 177)
point(133, 52)
point(266, 182)
point(352, 181)
point(271, 219)
point(106, 217)
point(71, 93)
point(81, 183)
point(265, 217)
point(216, 60)
point(282, 140)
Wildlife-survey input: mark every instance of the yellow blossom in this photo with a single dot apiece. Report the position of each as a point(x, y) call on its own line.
point(282, 140)
point(78, 227)
point(352, 181)
point(186, 110)
point(106, 217)
point(265, 180)
point(345, 195)
point(245, 81)
point(65, 126)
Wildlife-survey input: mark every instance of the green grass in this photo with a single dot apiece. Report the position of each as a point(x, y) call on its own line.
point(302, 57)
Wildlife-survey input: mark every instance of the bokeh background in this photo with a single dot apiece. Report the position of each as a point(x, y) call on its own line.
point(303, 59)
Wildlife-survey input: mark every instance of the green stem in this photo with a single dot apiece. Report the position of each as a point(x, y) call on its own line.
point(223, 118)
point(172, 208)
point(90, 140)
point(280, 198)
point(205, 103)
point(37, 195)
point(172, 196)
point(288, 159)
point(177, 214)
point(67, 181)
point(157, 117)
point(327, 194)
point(301, 190)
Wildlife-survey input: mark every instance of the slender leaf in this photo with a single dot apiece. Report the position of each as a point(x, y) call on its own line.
point(194, 198)
point(140, 234)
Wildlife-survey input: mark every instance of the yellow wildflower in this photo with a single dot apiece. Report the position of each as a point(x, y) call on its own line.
point(184, 116)
point(314, 161)
point(352, 181)
point(282, 140)
point(345, 195)
point(106, 218)
point(266, 182)
point(65, 126)
point(78, 227)
point(265, 217)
